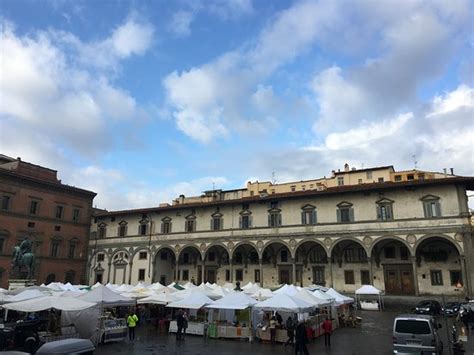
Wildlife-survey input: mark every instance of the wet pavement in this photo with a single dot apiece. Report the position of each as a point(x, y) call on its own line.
point(372, 337)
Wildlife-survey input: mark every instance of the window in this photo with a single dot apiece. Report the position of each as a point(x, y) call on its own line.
point(381, 179)
point(166, 226)
point(59, 211)
point(98, 278)
point(431, 207)
point(100, 257)
point(239, 275)
point(398, 178)
point(75, 214)
point(303, 187)
point(308, 215)
point(389, 252)
point(55, 249)
point(245, 221)
point(385, 210)
point(2, 243)
point(436, 278)
point(102, 232)
point(31, 224)
point(142, 255)
point(69, 277)
point(122, 229)
point(274, 219)
point(141, 274)
point(421, 177)
point(359, 181)
point(345, 212)
point(273, 204)
point(57, 228)
point(6, 202)
point(456, 279)
point(185, 275)
point(404, 253)
point(34, 207)
point(410, 177)
point(365, 277)
point(349, 277)
point(284, 256)
point(340, 181)
point(293, 188)
point(369, 175)
point(318, 275)
point(257, 275)
point(72, 251)
point(216, 223)
point(317, 256)
point(142, 229)
point(190, 225)
point(355, 255)
point(227, 275)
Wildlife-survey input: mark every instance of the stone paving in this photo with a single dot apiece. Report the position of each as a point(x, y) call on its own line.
point(373, 337)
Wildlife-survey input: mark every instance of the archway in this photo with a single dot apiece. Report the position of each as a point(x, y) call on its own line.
point(216, 263)
point(311, 264)
point(392, 267)
point(164, 266)
point(277, 262)
point(120, 262)
point(245, 264)
point(50, 278)
point(350, 265)
point(440, 266)
point(190, 265)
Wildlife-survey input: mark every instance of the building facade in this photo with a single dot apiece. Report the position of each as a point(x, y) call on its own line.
point(54, 216)
point(407, 236)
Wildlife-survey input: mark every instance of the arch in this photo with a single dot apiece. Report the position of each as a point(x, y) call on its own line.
point(345, 239)
point(231, 253)
point(190, 246)
point(118, 251)
point(445, 238)
point(278, 241)
point(50, 278)
point(161, 247)
point(275, 252)
point(393, 238)
point(139, 249)
point(216, 245)
point(316, 244)
point(306, 240)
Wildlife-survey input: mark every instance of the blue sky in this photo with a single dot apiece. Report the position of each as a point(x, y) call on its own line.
point(142, 101)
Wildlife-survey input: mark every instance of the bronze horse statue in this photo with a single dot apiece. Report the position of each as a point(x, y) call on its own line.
point(20, 260)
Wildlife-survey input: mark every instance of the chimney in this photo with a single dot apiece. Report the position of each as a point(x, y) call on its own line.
point(333, 173)
point(452, 171)
point(18, 158)
point(354, 168)
point(346, 167)
point(444, 171)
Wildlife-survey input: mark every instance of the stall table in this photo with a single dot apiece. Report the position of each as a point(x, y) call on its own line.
point(193, 328)
point(114, 330)
point(281, 335)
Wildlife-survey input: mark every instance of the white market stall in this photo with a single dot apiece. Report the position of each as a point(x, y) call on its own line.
point(371, 304)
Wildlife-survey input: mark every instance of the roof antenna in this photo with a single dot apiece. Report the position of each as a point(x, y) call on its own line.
point(273, 178)
point(415, 162)
point(213, 186)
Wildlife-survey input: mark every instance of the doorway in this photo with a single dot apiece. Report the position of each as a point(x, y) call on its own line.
point(211, 275)
point(285, 277)
point(399, 279)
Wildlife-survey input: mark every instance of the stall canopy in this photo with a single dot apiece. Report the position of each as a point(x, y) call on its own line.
point(309, 297)
point(233, 300)
point(159, 298)
point(48, 302)
point(290, 290)
point(25, 295)
point(339, 299)
point(368, 290)
point(103, 296)
point(262, 294)
point(194, 300)
point(284, 303)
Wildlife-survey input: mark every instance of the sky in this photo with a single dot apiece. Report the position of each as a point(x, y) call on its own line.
point(141, 101)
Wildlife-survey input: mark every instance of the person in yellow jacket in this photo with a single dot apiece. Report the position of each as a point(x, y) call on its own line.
point(132, 321)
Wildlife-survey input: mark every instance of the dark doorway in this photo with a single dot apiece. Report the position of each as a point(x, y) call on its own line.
point(399, 279)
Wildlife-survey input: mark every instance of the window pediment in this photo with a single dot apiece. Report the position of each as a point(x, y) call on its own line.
point(166, 219)
point(308, 207)
point(74, 240)
point(274, 210)
point(102, 225)
point(192, 216)
point(384, 201)
point(430, 198)
point(217, 215)
point(144, 221)
point(245, 213)
point(123, 223)
point(57, 238)
point(344, 204)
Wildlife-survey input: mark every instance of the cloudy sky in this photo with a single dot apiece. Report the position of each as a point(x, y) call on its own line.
point(141, 101)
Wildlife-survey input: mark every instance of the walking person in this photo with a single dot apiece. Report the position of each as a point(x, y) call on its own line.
point(301, 340)
point(327, 327)
point(290, 331)
point(185, 323)
point(180, 324)
point(272, 330)
point(132, 321)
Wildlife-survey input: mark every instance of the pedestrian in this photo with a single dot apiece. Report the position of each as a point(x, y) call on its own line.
point(327, 327)
point(132, 321)
point(301, 339)
point(180, 324)
point(272, 329)
point(185, 323)
point(279, 318)
point(290, 331)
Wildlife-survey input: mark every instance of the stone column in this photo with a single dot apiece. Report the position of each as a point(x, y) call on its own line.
point(231, 267)
point(109, 268)
point(260, 265)
point(129, 273)
point(371, 270)
point(176, 270)
point(415, 275)
point(331, 281)
point(203, 271)
point(293, 274)
point(464, 275)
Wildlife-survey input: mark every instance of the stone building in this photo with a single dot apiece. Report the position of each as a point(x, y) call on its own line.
point(54, 216)
point(408, 233)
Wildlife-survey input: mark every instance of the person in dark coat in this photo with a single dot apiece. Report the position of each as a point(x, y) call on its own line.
point(180, 323)
point(290, 331)
point(301, 340)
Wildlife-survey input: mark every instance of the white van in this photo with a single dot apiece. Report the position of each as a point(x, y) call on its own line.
point(416, 334)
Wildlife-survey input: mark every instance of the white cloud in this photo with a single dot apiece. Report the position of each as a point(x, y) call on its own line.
point(462, 97)
point(180, 23)
point(131, 38)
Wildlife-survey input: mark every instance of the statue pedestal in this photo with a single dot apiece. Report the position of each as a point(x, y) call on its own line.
point(14, 284)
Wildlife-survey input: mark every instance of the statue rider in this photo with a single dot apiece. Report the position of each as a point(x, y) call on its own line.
point(25, 246)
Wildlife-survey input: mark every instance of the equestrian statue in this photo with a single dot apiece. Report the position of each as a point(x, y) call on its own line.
point(23, 257)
